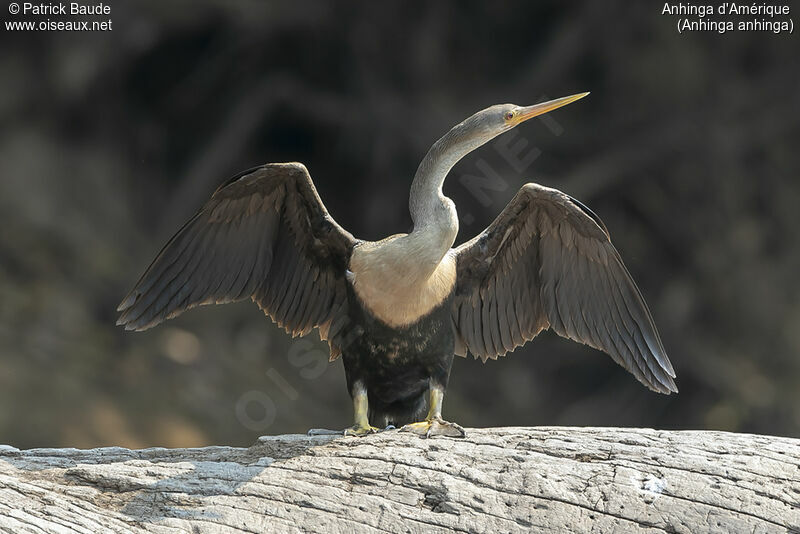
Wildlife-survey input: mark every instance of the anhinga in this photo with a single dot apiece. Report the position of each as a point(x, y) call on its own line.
point(397, 310)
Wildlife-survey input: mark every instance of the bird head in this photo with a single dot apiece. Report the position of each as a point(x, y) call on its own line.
point(488, 123)
point(426, 201)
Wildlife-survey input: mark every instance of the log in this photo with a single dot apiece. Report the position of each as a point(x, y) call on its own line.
point(495, 480)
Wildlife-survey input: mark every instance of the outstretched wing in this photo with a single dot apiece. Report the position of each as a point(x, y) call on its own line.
point(548, 261)
point(264, 235)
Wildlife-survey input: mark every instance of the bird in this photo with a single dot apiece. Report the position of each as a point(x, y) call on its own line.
point(399, 309)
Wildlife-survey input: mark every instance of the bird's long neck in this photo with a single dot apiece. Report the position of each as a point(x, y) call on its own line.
point(434, 215)
point(403, 277)
point(426, 190)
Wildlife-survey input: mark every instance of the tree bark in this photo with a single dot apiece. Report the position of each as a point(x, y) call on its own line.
point(494, 480)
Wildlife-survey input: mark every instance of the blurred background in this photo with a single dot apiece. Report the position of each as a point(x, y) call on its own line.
point(687, 148)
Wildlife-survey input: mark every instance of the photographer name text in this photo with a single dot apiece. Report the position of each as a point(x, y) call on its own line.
point(60, 16)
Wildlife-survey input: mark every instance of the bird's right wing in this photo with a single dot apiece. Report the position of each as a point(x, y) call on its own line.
point(547, 261)
point(264, 235)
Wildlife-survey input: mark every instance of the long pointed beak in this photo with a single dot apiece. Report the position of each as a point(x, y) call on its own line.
point(540, 109)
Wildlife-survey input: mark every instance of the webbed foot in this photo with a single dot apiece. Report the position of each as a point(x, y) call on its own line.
point(361, 430)
point(435, 427)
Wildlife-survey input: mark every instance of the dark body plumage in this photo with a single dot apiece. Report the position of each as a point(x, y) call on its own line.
point(397, 364)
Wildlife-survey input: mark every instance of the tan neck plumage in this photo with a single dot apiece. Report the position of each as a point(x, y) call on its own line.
point(402, 278)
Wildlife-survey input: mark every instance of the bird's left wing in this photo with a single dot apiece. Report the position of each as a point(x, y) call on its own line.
point(264, 235)
point(547, 261)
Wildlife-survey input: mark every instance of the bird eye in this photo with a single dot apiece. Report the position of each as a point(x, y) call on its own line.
point(509, 115)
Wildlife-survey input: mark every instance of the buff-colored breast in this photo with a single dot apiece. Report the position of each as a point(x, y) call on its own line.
point(396, 289)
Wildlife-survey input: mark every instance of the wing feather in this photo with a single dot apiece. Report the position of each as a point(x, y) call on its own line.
point(548, 261)
point(263, 235)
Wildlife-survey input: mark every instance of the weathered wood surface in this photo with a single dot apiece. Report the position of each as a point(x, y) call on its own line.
point(495, 480)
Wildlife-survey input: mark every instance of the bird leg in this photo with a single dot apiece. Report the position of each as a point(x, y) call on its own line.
point(361, 410)
point(434, 425)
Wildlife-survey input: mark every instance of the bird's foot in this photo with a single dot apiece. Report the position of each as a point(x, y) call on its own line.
point(361, 430)
point(435, 427)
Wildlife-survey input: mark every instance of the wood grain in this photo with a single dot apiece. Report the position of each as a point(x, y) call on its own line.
point(495, 480)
